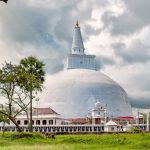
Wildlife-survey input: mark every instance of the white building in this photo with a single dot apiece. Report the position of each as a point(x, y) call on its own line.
point(140, 119)
point(98, 115)
point(41, 117)
point(111, 126)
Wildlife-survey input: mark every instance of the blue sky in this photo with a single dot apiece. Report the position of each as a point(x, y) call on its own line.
point(117, 31)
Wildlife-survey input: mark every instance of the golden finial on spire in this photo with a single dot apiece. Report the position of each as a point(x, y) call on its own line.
point(77, 24)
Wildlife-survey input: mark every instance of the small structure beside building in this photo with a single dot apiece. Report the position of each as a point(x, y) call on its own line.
point(111, 126)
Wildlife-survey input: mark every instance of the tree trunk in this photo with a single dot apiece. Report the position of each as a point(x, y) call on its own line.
point(30, 126)
point(26, 111)
point(3, 128)
point(17, 126)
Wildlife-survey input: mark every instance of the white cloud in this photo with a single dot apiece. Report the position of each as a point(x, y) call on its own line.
point(134, 78)
point(116, 31)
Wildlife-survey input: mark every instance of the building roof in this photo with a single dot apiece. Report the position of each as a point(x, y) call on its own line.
point(77, 120)
point(44, 111)
point(111, 123)
point(128, 118)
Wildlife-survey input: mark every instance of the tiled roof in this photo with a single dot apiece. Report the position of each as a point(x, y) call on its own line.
point(44, 111)
point(77, 120)
point(124, 118)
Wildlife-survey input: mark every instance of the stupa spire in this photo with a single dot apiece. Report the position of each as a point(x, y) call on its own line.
point(77, 23)
point(77, 43)
point(77, 59)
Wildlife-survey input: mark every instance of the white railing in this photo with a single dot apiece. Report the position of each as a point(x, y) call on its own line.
point(67, 128)
point(59, 128)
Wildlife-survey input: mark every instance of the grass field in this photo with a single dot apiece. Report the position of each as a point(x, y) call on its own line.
point(77, 142)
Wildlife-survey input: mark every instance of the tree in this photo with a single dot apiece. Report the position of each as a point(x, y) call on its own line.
point(32, 79)
point(10, 89)
point(4, 1)
point(3, 118)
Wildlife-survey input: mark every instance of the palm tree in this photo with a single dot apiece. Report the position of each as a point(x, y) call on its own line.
point(32, 79)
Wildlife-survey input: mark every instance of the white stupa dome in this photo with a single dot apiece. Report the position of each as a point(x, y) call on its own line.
point(74, 92)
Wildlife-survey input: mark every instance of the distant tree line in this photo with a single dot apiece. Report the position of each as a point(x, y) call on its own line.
point(19, 85)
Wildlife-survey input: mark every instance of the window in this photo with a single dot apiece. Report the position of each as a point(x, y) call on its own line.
point(18, 122)
point(112, 128)
point(37, 122)
point(44, 122)
point(50, 121)
point(25, 122)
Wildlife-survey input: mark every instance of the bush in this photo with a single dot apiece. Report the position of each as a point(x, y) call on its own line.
point(135, 130)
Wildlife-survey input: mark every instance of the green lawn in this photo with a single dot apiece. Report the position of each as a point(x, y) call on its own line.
point(77, 142)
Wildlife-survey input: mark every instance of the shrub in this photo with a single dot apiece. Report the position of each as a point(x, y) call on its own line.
point(135, 130)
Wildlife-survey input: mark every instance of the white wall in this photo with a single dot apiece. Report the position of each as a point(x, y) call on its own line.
point(81, 61)
point(110, 128)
